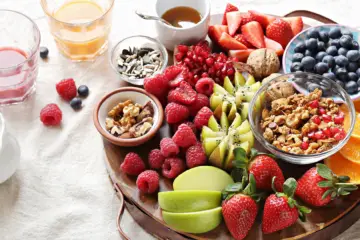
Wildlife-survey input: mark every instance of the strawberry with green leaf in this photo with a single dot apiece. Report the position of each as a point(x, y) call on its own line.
point(281, 210)
point(319, 186)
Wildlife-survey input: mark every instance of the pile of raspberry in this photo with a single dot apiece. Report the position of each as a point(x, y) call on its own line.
point(174, 156)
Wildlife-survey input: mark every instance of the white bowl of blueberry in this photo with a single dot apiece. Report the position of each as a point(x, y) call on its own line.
point(330, 50)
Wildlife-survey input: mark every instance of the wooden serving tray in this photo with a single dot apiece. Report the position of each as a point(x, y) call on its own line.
point(322, 223)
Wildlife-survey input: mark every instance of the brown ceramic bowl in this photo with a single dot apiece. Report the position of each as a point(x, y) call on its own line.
point(137, 95)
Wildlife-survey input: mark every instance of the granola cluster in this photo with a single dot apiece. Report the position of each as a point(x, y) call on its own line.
point(130, 120)
point(303, 124)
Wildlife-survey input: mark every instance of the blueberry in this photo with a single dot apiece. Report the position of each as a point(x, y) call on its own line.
point(346, 41)
point(295, 66)
point(355, 45)
point(341, 61)
point(342, 74)
point(332, 50)
point(335, 33)
point(324, 36)
point(351, 87)
point(44, 52)
point(342, 51)
point(347, 32)
point(342, 84)
point(312, 86)
point(83, 91)
point(321, 68)
point(313, 33)
point(334, 70)
point(352, 67)
point(300, 47)
point(321, 46)
point(308, 63)
point(320, 55)
point(330, 60)
point(297, 57)
point(358, 72)
point(330, 75)
point(311, 44)
point(335, 42)
point(352, 76)
point(76, 103)
point(309, 53)
point(326, 85)
point(358, 82)
point(353, 55)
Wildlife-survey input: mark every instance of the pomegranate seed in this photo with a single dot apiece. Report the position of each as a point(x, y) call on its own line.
point(224, 70)
point(314, 104)
point(326, 118)
point(187, 60)
point(211, 71)
point(339, 119)
point(327, 132)
point(198, 50)
point(230, 72)
point(304, 145)
point(334, 130)
point(311, 134)
point(183, 48)
point(322, 111)
point(190, 54)
point(218, 73)
point(190, 75)
point(179, 56)
point(200, 59)
point(209, 62)
point(218, 65)
point(203, 75)
point(194, 58)
point(205, 68)
point(319, 135)
point(233, 59)
point(204, 54)
point(196, 78)
point(316, 119)
point(340, 135)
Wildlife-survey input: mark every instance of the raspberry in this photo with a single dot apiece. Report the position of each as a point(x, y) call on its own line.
point(148, 181)
point(66, 88)
point(172, 167)
point(184, 136)
point(157, 85)
point(201, 101)
point(205, 86)
point(176, 113)
point(183, 94)
point(51, 115)
point(168, 147)
point(195, 156)
point(202, 117)
point(156, 159)
point(190, 124)
point(174, 74)
point(132, 164)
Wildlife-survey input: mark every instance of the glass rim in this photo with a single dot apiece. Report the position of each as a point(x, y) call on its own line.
point(34, 48)
point(47, 12)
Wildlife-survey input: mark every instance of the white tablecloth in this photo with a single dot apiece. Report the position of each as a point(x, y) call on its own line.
point(61, 190)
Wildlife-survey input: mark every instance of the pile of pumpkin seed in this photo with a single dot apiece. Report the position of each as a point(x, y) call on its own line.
point(136, 63)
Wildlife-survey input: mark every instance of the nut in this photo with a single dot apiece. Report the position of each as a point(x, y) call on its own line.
point(264, 62)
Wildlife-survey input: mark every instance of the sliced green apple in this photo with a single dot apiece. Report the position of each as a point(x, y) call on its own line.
point(219, 89)
point(244, 110)
point(215, 100)
point(236, 122)
point(249, 79)
point(228, 86)
point(243, 128)
point(213, 124)
point(210, 144)
point(217, 157)
point(247, 137)
point(206, 133)
point(221, 108)
point(239, 80)
point(232, 112)
point(224, 122)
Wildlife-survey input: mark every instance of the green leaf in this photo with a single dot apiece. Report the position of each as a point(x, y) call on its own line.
point(290, 187)
point(253, 152)
point(240, 154)
point(304, 209)
point(239, 164)
point(235, 187)
point(333, 195)
point(325, 184)
point(291, 202)
point(327, 193)
point(343, 179)
point(350, 188)
point(237, 174)
point(324, 171)
point(273, 184)
point(344, 193)
point(230, 196)
point(302, 216)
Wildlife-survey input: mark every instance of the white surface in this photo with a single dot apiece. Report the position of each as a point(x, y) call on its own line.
point(61, 190)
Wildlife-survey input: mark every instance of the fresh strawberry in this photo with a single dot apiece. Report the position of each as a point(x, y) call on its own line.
point(233, 21)
point(229, 43)
point(240, 210)
point(271, 44)
point(281, 210)
point(263, 19)
point(319, 185)
point(262, 166)
point(296, 24)
point(241, 55)
point(280, 31)
point(229, 8)
point(254, 34)
point(246, 18)
point(215, 32)
point(239, 37)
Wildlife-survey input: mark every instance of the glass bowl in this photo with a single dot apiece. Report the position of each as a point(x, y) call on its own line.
point(138, 42)
point(298, 84)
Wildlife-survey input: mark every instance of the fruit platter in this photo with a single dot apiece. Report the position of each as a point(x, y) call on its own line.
point(224, 143)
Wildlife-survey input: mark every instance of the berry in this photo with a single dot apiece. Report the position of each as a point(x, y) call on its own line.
point(327, 132)
point(44, 52)
point(341, 61)
point(168, 147)
point(172, 167)
point(300, 47)
point(209, 61)
point(340, 135)
point(241, 38)
point(332, 50)
point(313, 33)
point(304, 145)
point(319, 135)
point(195, 156)
point(205, 86)
point(330, 60)
point(314, 104)
point(157, 85)
point(184, 136)
point(321, 68)
point(66, 88)
point(51, 115)
point(351, 87)
point(335, 33)
point(132, 164)
point(322, 111)
point(330, 75)
point(184, 94)
point(320, 55)
point(229, 8)
point(83, 91)
point(190, 124)
point(335, 43)
point(182, 48)
point(324, 36)
point(346, 41)
point(321, 46)
point(308, 63)
point(176, 113)
point(254, 33)
point(202, 117)
point(76, 103)
point(316, 119)
point(355, 45)
point(175, 74)
point(342, 51)
point(280, 31)
point(358, 72)
point(347, 32)
point(352, 76)
point(295, 66)
point(326, 118)
point(352, 67)
point(201, 101)
point(353, 55)
point(155, 159)
point(311, 44)
point(297, 57)
point(341, 73)
point(148, 181)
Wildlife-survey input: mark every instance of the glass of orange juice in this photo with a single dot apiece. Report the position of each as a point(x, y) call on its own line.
point(80, 27)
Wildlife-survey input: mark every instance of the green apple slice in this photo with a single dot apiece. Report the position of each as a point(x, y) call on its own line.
point(189, 200)
point(217, 157)
point(236, 122)
point(244, 110)
point(229, 87)
point(239, 80)
point(246, 146)
point(247, 137)
point(249, 79)
point(254, 87)
point(221, 108)
point(194, 222)
point(232, 112)
point(213, 124)
point(210, 144)
point(216, 99)
point(230, 157)
point(219, 89)
point(206, 133)
point(243, 128)
point(224, 122)
point(203, 178)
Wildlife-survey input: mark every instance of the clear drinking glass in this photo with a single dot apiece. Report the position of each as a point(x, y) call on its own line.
point(19, 52)
point(80, 27)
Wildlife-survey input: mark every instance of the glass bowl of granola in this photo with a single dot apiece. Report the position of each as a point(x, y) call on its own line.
point(302, 118)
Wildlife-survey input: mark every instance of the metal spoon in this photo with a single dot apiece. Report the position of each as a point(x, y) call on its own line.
point(148, 17)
